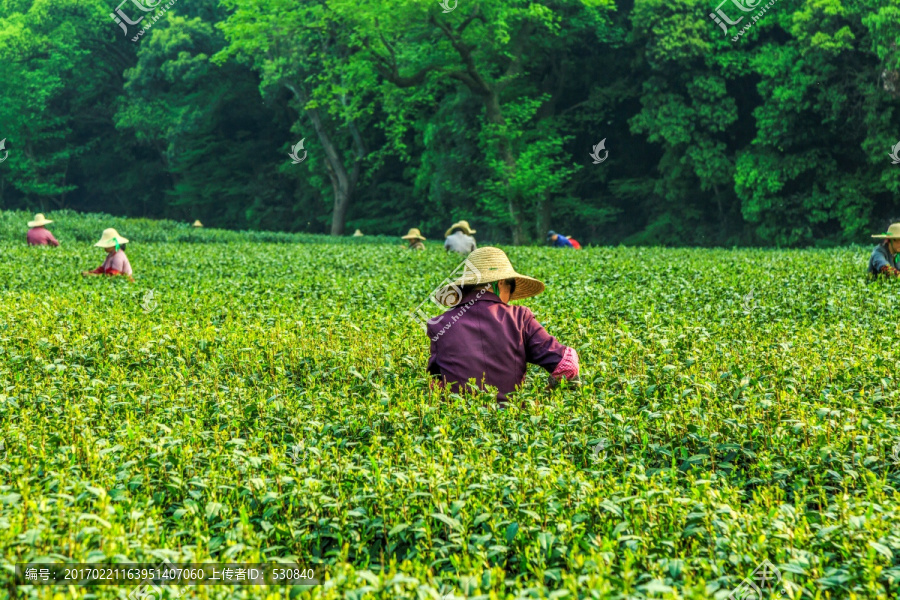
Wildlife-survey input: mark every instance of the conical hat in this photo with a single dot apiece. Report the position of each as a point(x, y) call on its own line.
point(893, 233)
point(197, 223)
point(357, 233)
point(414, 234)
point(39, 220)
point(487, 265)
point(110, 238)
point(463, 225)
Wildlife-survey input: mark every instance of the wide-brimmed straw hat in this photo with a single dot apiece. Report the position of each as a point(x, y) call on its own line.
point(463, 225)
point(893, 233)
point(358, 233)
point(110, 238)
point(414, 234)
point(197, 223)
point(487, 265)
point(39, 219)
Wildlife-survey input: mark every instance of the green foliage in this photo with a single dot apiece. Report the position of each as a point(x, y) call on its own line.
point(273, 404)
point(776, 132)
point(69, 226)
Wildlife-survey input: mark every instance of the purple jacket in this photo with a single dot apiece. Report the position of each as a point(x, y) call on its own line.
point(492, 342)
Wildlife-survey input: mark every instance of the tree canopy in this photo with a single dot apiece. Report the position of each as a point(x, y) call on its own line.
point(746, 122)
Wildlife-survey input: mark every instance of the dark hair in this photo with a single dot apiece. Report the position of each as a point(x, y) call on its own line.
point(470, 288)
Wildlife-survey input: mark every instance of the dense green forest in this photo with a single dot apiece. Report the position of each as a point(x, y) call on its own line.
point(742, 122)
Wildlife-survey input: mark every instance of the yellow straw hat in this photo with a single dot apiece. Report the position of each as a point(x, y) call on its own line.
point(487, 265)
point(463, 225)
point(893, 233)
point(414, 234)
point(357, 233)
point(197, 223)
point(39, 219)
point(110, 238)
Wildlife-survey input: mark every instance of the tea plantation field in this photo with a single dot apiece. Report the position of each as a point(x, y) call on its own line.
point(269, 401)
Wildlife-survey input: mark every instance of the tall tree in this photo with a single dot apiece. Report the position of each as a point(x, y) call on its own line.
point(302, 48)
point(487, 48)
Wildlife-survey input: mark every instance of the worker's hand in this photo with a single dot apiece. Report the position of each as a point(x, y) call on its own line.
point(86, 273)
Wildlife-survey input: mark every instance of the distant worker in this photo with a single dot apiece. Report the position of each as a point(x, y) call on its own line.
point(483, 338)
point(886, 254)
point(558, 241)
point(461, 241)
point(116, 262)
point(38, 235)
point(358, 233)
point(197, 223)
point(415, 239)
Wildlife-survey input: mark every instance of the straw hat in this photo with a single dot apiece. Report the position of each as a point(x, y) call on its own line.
point(110, 238)
point(893, 233)
point(487, 265)
point(357, 233)
point(464, 225)
point(39, 219)
point(414, 234)
point(197, 223)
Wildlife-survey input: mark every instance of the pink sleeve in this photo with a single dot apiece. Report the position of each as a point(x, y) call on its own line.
point(568, 366)
point(119, 262)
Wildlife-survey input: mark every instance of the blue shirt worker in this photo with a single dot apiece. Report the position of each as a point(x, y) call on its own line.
point(558, 241)
point(886, 254)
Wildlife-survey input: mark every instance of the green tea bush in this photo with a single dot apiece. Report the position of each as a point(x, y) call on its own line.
point(736, 406)
point(69, 225)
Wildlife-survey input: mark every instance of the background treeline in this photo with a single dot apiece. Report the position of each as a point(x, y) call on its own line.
point(416, 117)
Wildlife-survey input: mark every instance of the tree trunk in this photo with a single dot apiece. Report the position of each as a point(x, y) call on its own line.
point(543, 217)
point(342, 182)
point(495, 117)
point(341, 202)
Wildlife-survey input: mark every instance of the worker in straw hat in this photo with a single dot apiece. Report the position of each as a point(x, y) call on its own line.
point(886, 254)
point(459, 238)
point(415, 239)
point(116, 262)
point(483, 338)
point(558, 241)
point(197, 223)
point(38, 235)
point(358, 233)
